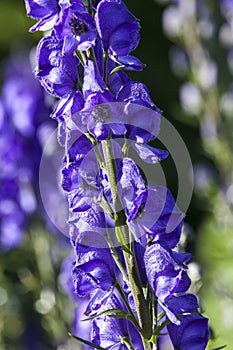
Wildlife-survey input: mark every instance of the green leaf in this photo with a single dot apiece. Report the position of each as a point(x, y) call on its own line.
point(115, 70)
point(160, 316)
point(95, 346)
point(115, 313)
point(80, 57)
point(121, 239)
point(221, 347)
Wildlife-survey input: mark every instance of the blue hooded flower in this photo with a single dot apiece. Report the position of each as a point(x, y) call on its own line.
point(92, 81)
point(138, 93)
point(193, 331)
point(77, 28)
point(159, 217)
point(103, 116)
point(132, 188)
point(57, 73)
point(166, 271)
point(65, 279)
point(120, 35)
point(93, 273)
point(108, 332)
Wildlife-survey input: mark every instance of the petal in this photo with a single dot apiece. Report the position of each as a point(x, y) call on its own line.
point(160, 218)
point(92, 81)
point(107, 331)
point(130, 62)
point(40, 8)
point(125, 38)
point(67, 107)
point(119, 14)
point(138, 93)
point(44, 24)
point(150, 154)
point(165, 276)
point(193, 332)
point(94, 266)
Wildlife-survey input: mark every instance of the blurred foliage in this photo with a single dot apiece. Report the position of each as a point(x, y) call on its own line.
point(32, 304)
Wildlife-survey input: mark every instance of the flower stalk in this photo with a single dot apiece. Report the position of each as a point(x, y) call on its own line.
point(105, 188)
point(130, 261)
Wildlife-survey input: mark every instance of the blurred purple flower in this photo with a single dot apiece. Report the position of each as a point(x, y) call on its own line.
point(23, 110)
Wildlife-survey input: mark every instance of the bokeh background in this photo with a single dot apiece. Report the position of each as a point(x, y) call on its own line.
point(187, 46)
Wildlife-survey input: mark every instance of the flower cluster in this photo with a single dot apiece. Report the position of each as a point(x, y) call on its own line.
point(23, 114)
point(124, 232)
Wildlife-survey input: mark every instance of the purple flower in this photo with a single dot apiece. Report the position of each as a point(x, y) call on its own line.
point(12, 224)
point(22, 113)
point(94, 264)
point(67, 107)
point(79, 193)
point(117, 81)
point(108, 332)
point(135, 122)
point(92, 81)
point(159, 217)
point(193, 332)
point(228, 4)
point(46, 11)
point(138, 93)
point(150, 154)
point(57, 73)
point(166, 271)
point(130, 62)
point(93, 273)
point(117, 27)
point(77, 28)
point(65, 278)
point(132, 188)
point(22, 97)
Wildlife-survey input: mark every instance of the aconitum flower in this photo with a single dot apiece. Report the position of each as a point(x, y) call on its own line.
point(138, 93)
point(166, 272)
point(65, 279)
point(120, 35)
point(192, 333)
point(58, 74)
point(77, 28)
point(93, 272)
point(114, 333)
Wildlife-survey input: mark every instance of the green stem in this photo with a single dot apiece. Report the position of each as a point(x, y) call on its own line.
point(118, 286)
point(117, 260)
point(105, 66)
point(130, 261)
point(127, 343)
point(110, 168)
point(139, 299)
